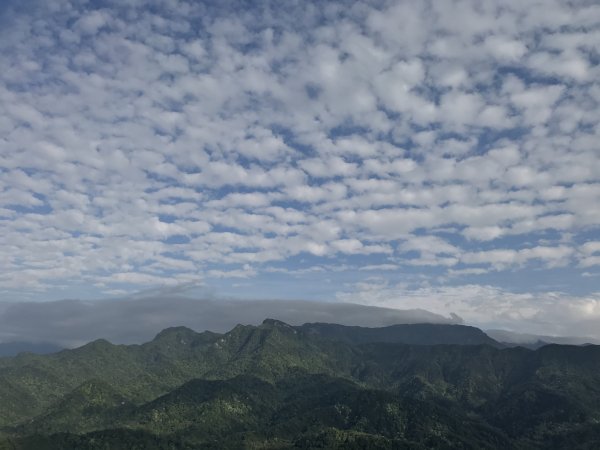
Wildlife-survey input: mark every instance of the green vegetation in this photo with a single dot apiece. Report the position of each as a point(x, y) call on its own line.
point(314, 386)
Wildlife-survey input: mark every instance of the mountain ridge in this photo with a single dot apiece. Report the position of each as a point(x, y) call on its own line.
point(303, 386)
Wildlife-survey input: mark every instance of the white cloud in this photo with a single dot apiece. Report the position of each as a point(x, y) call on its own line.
point(567, 64)
point(483, 233)
point(505, 48)
point(590, 254)
point(552, 256)
point(491, 307)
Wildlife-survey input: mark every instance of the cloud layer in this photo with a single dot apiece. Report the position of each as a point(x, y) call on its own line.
point(162, 142)
point(71, 323)
point(490, 307)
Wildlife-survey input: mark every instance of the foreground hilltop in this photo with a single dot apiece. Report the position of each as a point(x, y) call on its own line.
point(311, 386)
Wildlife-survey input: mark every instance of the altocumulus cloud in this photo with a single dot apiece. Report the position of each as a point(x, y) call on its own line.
point(304, 150)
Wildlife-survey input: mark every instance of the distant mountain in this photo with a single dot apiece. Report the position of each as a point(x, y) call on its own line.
point(535, 341)
point(14, 348)
point(310, 386)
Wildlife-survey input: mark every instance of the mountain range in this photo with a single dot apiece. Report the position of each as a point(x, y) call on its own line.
point(311, 386)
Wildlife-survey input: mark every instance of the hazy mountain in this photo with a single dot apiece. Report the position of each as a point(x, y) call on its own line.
point(14, 348)
point(310, 386)
point(535, 341)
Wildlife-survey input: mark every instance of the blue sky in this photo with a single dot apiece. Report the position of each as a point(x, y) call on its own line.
point(436, 155)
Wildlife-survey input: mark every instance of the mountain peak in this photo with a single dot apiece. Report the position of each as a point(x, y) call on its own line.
point(275, 323)
point(181, 334)
point(99, 343)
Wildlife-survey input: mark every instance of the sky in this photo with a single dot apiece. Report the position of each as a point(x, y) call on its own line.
point(435, 155)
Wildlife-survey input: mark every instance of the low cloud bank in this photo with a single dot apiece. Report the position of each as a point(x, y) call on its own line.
point(544, 313)
point(70, 323)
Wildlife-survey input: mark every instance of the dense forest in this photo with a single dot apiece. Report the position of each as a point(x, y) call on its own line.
point(311, 386)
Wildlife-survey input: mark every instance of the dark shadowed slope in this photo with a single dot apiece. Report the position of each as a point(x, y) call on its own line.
point(412, 334)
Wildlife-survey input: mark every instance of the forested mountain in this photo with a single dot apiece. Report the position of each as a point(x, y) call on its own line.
point(312, 386)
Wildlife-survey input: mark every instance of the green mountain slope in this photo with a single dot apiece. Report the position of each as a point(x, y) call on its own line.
point(90, 406)
point(314, 386)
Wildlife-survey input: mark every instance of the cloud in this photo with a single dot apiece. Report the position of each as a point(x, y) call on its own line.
point(590, 254)
point(489, 307)
point(153, 144)
point(553, 256)
point(138, 319)
point(90, 23)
